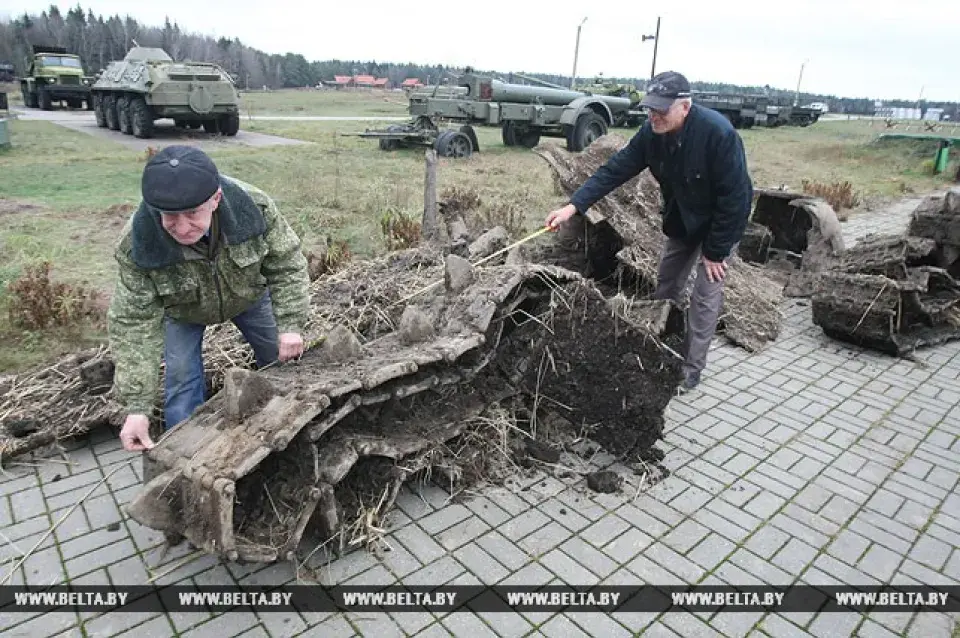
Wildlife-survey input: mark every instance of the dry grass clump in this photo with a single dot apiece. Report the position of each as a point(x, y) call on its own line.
point(839, 195)
point(400, 229)
point(36, 302)
point(329, 259)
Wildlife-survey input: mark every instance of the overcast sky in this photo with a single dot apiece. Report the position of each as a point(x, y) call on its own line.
point(876, 49)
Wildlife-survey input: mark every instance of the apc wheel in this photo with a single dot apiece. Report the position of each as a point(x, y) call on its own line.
point(110, 111)
point(141, 118)
point(454, 144)
point(98, 111)
point(589, 128)
point(230, 124)
point(123, 115)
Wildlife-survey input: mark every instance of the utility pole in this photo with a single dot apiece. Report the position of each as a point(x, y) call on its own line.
point(576, 51)
point(656, 41)
point(796, 99)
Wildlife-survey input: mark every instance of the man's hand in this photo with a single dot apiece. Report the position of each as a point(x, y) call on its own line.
point(715, 269)
point(135, 433)
point(557, 217)
point(291, 346)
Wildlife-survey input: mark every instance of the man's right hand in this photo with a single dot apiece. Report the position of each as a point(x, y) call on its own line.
point(557, 217)
point(135, 433)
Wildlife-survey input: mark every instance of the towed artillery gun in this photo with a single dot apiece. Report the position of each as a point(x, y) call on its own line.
point(148, 85)
point(524, 114)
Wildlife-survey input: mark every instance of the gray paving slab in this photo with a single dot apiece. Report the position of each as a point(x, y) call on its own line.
point(810, 462)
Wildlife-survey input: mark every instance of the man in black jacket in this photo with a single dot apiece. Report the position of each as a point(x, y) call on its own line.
point(698, 159)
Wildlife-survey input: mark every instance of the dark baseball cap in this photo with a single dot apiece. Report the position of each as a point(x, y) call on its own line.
point(664, 89)
point(179, 178)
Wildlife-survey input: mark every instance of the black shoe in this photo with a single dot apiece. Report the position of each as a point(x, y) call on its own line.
point(690, 381)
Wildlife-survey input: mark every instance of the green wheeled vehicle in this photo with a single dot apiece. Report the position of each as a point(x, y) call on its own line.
point(148, 85)
point(54, 75)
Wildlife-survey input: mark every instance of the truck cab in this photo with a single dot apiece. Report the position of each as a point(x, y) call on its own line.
point(55, 76)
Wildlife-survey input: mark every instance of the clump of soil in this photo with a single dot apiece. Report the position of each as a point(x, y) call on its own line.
point(606, 482)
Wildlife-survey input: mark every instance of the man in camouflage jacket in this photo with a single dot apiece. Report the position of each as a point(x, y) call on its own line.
point(201, 249)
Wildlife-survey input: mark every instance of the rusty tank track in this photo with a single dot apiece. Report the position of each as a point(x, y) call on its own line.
point(896, 293)
point(265, 461)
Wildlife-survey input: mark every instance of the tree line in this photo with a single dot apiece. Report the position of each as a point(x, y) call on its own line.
point(99, 40)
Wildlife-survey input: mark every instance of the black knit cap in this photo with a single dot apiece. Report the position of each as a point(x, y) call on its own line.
point(179, 178)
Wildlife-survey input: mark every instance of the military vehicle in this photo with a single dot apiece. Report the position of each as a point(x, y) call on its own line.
point(148, 85)
point(748, 110)
point(743, 110)
point(55, 76)
point(7, 72)
point(524, 113)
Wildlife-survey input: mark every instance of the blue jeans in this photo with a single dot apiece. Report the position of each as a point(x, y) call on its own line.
point(184, 385)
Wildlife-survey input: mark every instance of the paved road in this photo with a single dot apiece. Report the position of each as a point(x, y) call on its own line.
point(165, 133)
point(811, 462)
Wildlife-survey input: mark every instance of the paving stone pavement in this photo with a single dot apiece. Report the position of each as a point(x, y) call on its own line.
point(811, 462)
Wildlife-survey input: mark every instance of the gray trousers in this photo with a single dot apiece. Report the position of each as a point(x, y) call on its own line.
point(676, 262)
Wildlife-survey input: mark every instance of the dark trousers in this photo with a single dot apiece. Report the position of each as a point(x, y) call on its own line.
point(185, 386)
point(676, 262)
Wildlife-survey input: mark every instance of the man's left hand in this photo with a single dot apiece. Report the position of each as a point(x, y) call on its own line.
point(715, 269)
point(291, 346)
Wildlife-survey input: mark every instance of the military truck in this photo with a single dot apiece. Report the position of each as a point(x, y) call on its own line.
point(7, 72)
point(148, 85)
point(743, 110)
point(54, 75)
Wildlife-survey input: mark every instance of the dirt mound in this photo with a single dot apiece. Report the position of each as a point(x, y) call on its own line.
point(895, 293)
point(624, 243)
point(321, 446)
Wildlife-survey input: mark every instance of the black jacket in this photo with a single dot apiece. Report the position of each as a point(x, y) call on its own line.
point(702, 172)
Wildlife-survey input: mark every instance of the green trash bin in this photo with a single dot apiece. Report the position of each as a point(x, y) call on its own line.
point(943, 154)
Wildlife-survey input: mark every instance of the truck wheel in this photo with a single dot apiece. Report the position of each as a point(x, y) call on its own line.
point(90, 102)
point(141, 118)
point(110, 111)
point(98, 111)
point(123, 114)
point(529, 138)
point(588, 129)
point(46, 102)
point(230, 124)
point(211, 126)
point(508, 132)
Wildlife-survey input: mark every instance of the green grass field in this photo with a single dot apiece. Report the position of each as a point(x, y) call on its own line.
point(64, 195)
point(323, 102)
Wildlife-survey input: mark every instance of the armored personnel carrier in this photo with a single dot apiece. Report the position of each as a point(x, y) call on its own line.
point(148, 85)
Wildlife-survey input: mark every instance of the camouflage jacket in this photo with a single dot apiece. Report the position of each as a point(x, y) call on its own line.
point(159, 277)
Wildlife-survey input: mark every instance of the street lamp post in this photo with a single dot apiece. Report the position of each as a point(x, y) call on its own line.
point(796, 99)
point(576, 51)
point(656, 41)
